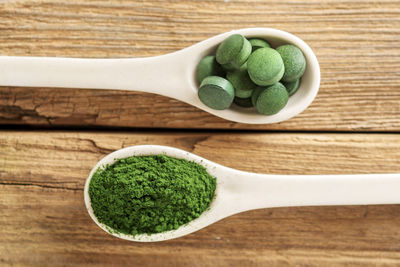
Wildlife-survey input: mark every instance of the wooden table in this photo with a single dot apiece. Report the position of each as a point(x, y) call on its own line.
point(51, 138)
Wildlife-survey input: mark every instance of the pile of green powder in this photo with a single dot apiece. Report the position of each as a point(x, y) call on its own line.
point(150, 194)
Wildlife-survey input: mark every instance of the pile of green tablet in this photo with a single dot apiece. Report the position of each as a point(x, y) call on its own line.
point(251, 74)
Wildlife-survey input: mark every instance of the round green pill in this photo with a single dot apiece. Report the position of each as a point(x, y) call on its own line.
point(208, 66)
point(292, 87)
point(265, 66)
point(255, 94)
point(229, 67)
point(272, 99)
point(233, 52)
point(258, 43)
point(243, 102)
point(216, 92)
point(294, 61)
point(241, 82)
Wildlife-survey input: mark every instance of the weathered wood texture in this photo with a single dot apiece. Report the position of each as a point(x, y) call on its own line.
point(356, 42)
point(44, 222)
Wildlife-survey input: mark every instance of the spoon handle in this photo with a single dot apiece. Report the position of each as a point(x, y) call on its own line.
point(261, 191)
point(160, 75)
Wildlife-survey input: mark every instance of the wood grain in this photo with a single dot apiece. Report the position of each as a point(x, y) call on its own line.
point(43, 218)
point(356, 42)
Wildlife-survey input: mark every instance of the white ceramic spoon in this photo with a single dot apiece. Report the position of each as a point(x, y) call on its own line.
point(239, 191)
point(171, 75)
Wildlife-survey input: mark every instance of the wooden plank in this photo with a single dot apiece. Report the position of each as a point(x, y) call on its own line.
point(43, 218)
point(356, 43)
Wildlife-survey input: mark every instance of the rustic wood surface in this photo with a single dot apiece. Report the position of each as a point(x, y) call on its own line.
point(356, 42)
point(44, 222)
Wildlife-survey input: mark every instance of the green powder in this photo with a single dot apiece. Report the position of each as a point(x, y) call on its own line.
point(150, 194)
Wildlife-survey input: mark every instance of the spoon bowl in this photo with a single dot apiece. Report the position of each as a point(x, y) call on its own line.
point(239, 191)
point(171, 75)
point(211, 215)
